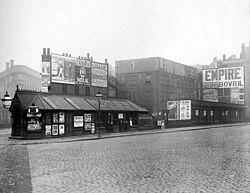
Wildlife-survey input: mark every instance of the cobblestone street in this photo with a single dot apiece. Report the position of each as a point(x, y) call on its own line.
point(211, 160)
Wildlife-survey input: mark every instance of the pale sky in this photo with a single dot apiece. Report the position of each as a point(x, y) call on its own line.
point(185, 31)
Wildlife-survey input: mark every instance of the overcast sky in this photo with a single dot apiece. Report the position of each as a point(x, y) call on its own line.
point(185, 31)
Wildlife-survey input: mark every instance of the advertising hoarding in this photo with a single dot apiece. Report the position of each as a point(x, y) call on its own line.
point(185, 109)
point(210, 95)
point(45, 76)
point(63, 69)
point(83, 72)
point(99, 74)
point(173, 110)
point(232, 77)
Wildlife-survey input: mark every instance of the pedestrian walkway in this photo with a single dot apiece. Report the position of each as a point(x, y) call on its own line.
point(5, 133)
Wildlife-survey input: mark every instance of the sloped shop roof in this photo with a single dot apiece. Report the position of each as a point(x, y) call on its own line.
point(46, 101)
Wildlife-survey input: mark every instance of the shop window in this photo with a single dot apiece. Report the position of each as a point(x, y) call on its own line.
point(196, 112)
point(226, 91)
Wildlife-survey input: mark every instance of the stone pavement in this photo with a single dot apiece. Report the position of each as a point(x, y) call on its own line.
point(5, 133)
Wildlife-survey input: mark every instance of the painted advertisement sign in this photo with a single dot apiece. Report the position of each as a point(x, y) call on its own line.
point(83, 72)
point(232, 77)
point(185, 109)
point(99, 74)
point(210, 95)
point(63, 69)
point(45, 76)
point(173, 110)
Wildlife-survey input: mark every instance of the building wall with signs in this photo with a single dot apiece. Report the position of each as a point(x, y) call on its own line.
point(63, 74)
point(151, 82)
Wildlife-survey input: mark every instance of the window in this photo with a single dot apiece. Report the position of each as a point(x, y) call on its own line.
point(64, 89)
point(196, 112)
point(204, 113)
point(226, 113)
point(88, 91)
point(77, 89)
point(226, 91)
point(148, 78)
point(211, 113)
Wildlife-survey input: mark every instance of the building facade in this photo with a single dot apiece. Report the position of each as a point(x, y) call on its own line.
point(232, 75)
point(13, 75)
point(151, 82)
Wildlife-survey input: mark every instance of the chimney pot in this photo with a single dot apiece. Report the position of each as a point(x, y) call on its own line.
point(7, 65)
point(48, 51)
point(44, 51)
point(88, 56)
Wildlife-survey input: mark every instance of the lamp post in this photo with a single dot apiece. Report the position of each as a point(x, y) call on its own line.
point(246, 113)
point(99, 96)
point(6, 100)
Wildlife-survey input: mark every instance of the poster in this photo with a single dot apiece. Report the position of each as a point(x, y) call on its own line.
point(54, 129)
point(55, 117)
point(45, 76)
point(87, 117)
point(63, 69)
point(47, 129)
point(173, 110)
point(87, 126)
point(185, 109)
point(61, 129)
point(78, 121)
point(61, 117)
point(210, 95)
point(83, 75)
point(99, 74)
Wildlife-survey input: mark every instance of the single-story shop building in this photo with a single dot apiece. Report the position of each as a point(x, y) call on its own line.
point(41, 115)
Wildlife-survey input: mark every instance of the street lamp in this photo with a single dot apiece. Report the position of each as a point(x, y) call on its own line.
point(99, 96)
point(246, 113)
point(6, 100)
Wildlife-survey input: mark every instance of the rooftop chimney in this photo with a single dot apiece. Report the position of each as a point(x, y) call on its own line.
point(224, 57)
point(11, 63)
point(44, 51)
point(88, 56)
point(48, 51)
point(7, 65)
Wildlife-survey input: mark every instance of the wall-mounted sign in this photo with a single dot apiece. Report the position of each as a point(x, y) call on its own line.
point(54, 129)
point(173, 110)
point(63, 69)
point(232, 77)
point(47, 129)
point(78, 121)
point(185, 109)
point(99, 74)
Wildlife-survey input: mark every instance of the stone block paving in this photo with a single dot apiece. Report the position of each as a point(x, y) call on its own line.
point(212, 160)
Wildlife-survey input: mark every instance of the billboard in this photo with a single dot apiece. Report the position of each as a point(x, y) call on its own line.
point(232, 77)
point(63, 69)
point(185, 109)
point(45, 76)
point(83, 72)
point(173, 110)
point(99, 74)
point(210, 94)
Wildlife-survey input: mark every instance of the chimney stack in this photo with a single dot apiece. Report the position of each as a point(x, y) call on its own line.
point(7, 65)
point(11, 63)
point(48, 51)
point(224, 57)
point(44, 51)
point(88, 56)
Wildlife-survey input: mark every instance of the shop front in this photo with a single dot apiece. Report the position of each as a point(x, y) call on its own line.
point(44, 115)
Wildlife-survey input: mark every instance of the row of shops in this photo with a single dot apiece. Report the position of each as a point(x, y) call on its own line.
point(42, 115)
point(45, 115)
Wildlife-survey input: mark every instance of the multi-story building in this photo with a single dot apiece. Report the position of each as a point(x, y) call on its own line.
point(13, 75)
point(151, 82)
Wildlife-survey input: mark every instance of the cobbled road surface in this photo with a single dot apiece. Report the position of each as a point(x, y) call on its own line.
point(211, 160)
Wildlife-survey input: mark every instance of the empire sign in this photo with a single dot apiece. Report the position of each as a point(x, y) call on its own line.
point(224, 78)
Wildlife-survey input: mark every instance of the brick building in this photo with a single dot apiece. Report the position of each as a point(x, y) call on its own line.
point(23, 76)
point(151, 82)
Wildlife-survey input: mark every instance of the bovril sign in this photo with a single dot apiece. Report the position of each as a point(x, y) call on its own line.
point(223, 77)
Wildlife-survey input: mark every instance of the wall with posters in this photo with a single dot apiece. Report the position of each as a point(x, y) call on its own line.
point(179, 110)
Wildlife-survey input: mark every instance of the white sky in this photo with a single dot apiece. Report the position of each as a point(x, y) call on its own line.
point(185, 31)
